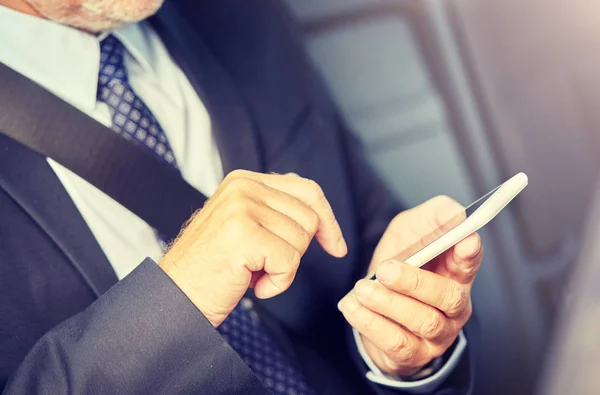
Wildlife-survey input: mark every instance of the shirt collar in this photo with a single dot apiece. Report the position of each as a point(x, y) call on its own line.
point(62, 59)
point(135, 38)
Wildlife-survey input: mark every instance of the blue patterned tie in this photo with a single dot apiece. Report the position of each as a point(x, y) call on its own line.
point(130, 116)
point(133, 120)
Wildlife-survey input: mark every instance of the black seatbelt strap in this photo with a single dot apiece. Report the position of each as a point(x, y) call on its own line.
point(147, 186)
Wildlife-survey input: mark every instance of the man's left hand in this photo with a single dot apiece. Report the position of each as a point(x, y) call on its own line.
point(409, 316)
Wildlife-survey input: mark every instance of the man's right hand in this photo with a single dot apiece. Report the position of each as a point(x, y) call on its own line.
point(252, 232)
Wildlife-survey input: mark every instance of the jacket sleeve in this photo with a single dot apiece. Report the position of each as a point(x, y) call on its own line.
point(142, 336)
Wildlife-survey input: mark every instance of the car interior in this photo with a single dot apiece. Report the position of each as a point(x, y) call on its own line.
point(455, 96)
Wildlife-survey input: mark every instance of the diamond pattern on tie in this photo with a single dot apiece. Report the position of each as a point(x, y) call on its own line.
point(247, 335)
point(131, 118)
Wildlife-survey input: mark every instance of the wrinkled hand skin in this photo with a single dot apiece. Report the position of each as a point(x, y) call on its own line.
point(251, 233)
point(410, 316)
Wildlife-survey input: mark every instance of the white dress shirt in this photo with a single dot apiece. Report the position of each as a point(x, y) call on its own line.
point(66, 62)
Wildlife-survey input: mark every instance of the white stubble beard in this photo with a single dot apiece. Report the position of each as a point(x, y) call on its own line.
point(96, 15)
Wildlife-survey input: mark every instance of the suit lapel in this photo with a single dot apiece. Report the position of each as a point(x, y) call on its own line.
point(233, 128)
point(30, 181)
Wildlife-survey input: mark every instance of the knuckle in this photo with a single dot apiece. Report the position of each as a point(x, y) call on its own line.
point(238, 173)
point(434, 327)
point(295, 257)
point(406, 353)
point(415, 281)
point(457, 301)
point(240, 184)
point(316, 191)
point(239, 208)
point(241, 225)
point(370, 323)
point(468, 311)
point(233, 178)
point(314, 187)
point(471, 270)
point(304, 237)
point(228, 178)
point(318, 197)
point(313, 222)
point(382, 297)
point(396, 343)
point(390, 365)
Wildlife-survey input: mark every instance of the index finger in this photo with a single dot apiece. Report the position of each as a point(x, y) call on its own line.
point(329, 233)
point(440, 292)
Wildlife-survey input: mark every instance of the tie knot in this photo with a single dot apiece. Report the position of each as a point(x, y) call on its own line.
point(112, 65)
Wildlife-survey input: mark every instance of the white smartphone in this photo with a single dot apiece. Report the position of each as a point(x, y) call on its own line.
point(469, 220)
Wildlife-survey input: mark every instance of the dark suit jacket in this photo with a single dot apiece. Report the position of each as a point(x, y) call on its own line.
point(67, 326)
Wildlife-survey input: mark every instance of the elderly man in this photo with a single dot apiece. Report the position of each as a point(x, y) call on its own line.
point(213, 98)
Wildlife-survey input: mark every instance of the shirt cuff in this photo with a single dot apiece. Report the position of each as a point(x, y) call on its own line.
point(423, 386)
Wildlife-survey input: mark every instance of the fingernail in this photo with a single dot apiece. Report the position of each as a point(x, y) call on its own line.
point(351, 304)
point(364, 289)
point(387, 272)
point(348, 304)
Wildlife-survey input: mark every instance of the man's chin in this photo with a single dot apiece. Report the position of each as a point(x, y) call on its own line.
point(96, 15)
point(90, 25)
point(107, 14)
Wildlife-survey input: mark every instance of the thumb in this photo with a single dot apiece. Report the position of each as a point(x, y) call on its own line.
point(464, 259)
